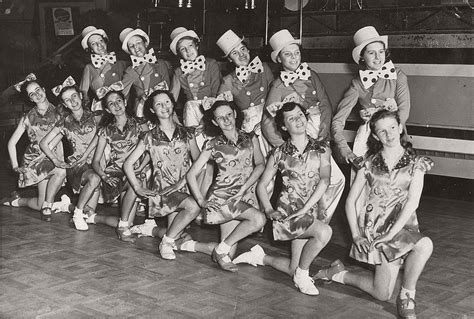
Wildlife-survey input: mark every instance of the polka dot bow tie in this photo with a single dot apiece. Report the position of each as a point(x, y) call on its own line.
point(100, 60)
point(302, 72)
point(369, 77)
point(189, 66)
point(147, 58)
point(68, 82)
point(243, 72)
point(102, 91)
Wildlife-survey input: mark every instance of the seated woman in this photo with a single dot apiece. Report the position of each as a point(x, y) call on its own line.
point(305, 166)
point(170, 146)
point(385, 231)
point(79, 127)
point(37, 169)
point(231, 201)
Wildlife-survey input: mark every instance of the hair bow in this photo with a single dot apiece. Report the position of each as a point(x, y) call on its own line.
point(243, 72)
point(303, 72)
point(68, 82)
point(208, 101)
point(147, 58)
point(99, 60)
point(102, 91)
point(369, 77)
point(274, 107)
point(160, 86)
point(189, 66)
point(29, 77)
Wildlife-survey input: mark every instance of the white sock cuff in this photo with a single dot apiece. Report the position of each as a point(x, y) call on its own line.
point(223, 248)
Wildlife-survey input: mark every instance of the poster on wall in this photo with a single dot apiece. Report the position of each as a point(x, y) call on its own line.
point(63, 21)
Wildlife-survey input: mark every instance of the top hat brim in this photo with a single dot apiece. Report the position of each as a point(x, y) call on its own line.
point(233, 47)
point(131, 34)
point(88, 35)
point(174, 43)
point(356, 51)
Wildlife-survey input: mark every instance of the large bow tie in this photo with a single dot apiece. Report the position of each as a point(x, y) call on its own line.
point(369, 77)
point(189, 66)
point(68, 82)
point(147, 58)
point(102, 91)
point(302, 72)
point(243, 72)
point(99, 60)
point(29, 77)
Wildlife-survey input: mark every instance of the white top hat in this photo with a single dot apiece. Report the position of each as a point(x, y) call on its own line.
point(179, 33)
point(88, 32)
point(127, 33)
point(365, 36)
point(228, 42)
point(280, 40)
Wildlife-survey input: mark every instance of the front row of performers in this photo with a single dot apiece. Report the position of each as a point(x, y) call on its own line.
point(220, 165)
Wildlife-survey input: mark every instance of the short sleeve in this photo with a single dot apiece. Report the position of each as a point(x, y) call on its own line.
point(276, 153)
point(423, 163)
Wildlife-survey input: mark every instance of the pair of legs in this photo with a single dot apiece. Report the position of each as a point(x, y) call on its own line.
point(47, 190)
point(381, 283)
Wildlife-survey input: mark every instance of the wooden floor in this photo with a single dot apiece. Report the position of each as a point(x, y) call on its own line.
point(50, 270)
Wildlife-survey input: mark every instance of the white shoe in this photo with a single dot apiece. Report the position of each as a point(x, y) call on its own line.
point(166, 250)
point(63, 205)
point(90, 219)
point(145, 229)
point(80, 222)
point(253, 257)
point(305, 284)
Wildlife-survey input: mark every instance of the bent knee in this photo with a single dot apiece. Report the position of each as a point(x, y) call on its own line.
point(424, 246)
point(324, 232)
point(382, 294)
point(258, 219)
point(60, 172)
point(93, 179)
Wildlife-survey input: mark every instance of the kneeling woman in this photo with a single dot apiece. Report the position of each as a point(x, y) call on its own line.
point(385, 232)
point(304, 164)
point(231, 201)
point(170, 146)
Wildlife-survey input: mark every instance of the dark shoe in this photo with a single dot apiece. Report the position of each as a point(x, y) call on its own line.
point(224, 261)
point(327, 273)
point(124, 234)
point(46, 214)
point(402, 307)
point(7, 201)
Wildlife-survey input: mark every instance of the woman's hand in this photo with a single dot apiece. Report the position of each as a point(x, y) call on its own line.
point(275, 215)
point(60, 164)
point(79, 162)
point(145, 192)
point(381, 239)
point(299, 213)
point(362, 244)
point(235, 198)
point(170, 189)
point(348, 156)
point(19, 170)
point(390, 105)
point(112, 181)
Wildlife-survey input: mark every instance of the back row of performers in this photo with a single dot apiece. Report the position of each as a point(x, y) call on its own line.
point(246, 127)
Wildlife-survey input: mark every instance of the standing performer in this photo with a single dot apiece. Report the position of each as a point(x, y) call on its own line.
point(379, 85)
point(231, 201)
point(247, 85)
point(170, 146)
point(197, 76)
point(104, 68)
point(305, 166)
point(385, 231)
point(298, 83)
point(36, 168)
point(121, 132)
point(80, 128)
point(147, 73)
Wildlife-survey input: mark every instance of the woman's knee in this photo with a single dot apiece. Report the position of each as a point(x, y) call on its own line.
point(60, 173)
point(323, 232)
point(424, 246)
point(93, 180)
point(382, 293)
point(259, 219)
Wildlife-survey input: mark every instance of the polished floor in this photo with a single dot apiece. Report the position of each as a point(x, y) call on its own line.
point(50, 270)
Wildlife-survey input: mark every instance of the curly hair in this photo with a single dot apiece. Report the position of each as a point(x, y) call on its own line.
point(25, 85)
point(147, 110)
point(212, 130)
point(280, 119)
point(374, 146)
point(361, 57)
point(108, 118)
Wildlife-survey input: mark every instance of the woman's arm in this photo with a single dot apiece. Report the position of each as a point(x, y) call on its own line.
point(90, 148)
point(194, 149)
point(265, 180)
point(193, 174)
point(85, 84)
point(98, 154)
point(20, 129)
point(325, 106)
point(50, 141)
point(216, 78)
point(175, 85)
point(130, 172)
point(269, 129)
point(402, 97)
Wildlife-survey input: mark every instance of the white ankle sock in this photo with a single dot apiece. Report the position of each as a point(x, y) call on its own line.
point(167, 239)
point(301, 272)
point(78, 212)
point(223, 248)
point(15, 203)
point(404, 292)
point(46, 204)
point(189, 245)
point(339, 277)
point(122, 223)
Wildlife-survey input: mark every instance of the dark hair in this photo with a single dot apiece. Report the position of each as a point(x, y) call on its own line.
point(195, 41)
point(361, 57)
point(108, 118)
point(147, 110)
point(67, 88)
point(25, 85)
point(212, 130)
point(280, 119)
point(106, 40)
point(373, 145)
